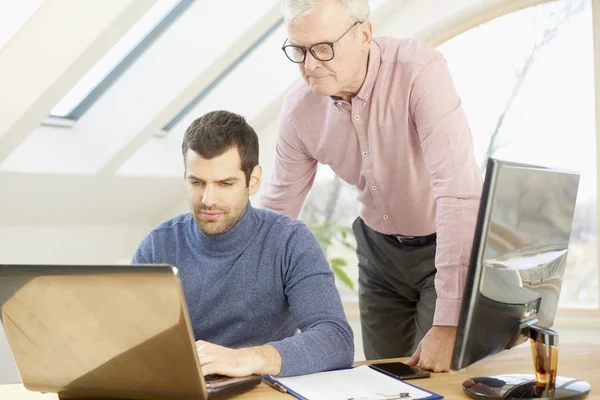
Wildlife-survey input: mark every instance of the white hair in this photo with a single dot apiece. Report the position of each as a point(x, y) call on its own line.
point(358, 10)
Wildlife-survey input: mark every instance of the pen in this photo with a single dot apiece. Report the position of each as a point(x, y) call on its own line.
point(275, 385)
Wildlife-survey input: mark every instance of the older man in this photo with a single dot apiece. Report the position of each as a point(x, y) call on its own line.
point(384, 114)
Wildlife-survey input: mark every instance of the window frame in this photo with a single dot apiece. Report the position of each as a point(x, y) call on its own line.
point(96, 92)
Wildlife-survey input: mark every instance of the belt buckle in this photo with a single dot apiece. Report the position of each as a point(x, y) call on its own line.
point(404, 239)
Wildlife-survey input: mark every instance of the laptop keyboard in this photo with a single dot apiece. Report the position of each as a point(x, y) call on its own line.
point(214, 378)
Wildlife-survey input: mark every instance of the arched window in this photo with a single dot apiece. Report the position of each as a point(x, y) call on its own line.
point(527, 84)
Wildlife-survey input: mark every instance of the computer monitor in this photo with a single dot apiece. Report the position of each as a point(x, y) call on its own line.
point(514, 279)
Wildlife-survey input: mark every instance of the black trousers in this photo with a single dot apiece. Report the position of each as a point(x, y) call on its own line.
point(396, 292)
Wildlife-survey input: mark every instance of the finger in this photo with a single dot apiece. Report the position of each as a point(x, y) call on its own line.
point(212, 368)
point(207, 359)
point(415, 358)
point(219, 368)
point(424, 361)
point(426, 365)
point(201, 344)
point(442, 366)
point(438, 367)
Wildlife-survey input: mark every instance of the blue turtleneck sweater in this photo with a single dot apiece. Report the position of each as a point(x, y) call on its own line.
point(258, 283)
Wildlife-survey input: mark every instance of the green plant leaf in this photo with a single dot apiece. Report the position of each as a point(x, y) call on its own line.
point(330, 233)
point(326, 241)
point(338, 262)
point(346, 230)
point(343, 277)
point(349, 245)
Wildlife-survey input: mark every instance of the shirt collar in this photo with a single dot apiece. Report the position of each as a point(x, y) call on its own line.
point(372, 69)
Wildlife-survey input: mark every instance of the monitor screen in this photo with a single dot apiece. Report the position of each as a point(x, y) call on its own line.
point(518, 258)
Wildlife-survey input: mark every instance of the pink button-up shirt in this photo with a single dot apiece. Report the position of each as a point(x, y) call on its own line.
point(404, 142)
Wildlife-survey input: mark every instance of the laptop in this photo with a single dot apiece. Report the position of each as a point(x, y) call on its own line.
point(112, 331)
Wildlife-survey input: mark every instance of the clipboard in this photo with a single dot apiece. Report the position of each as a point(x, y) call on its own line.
point(360, 383)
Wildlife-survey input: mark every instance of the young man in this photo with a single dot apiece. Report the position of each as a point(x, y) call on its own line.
point(251, 277)
point(385, 116)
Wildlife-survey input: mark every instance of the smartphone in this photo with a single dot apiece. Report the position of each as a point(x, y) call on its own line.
point(400, 370)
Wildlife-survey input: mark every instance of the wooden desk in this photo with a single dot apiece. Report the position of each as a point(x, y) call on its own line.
point(580, 361)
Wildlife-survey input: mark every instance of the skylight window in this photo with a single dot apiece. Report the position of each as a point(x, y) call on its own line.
point(119, 58)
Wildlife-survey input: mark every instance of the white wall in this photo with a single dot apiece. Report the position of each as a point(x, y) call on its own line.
point(68, 245)
point(8, 369)
point(267, 137)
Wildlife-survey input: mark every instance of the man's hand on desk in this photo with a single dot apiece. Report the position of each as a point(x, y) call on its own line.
point(435, 350)
point(215, 359)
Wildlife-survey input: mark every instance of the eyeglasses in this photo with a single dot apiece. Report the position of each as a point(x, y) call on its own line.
point(322, 51)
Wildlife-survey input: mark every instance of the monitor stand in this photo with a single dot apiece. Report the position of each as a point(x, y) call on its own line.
point(543, 385)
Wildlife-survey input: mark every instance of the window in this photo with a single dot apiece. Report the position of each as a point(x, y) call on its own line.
point(238, 71)
point(527, 84)
point(236, 92)
point(238, 84)
point(528, 101)
point(119, 58)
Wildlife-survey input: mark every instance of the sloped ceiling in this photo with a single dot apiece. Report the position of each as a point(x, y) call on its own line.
point(117, 163)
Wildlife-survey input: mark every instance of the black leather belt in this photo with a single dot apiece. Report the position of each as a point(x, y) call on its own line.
point(416, 240)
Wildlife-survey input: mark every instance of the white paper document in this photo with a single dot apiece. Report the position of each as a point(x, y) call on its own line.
point(357, 383)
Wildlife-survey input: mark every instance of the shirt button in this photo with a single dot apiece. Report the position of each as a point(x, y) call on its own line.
point(357, 117)
point(374, 188)
point(366, 96)
point(339, 104)
point(364, 153)
point(385, 217)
